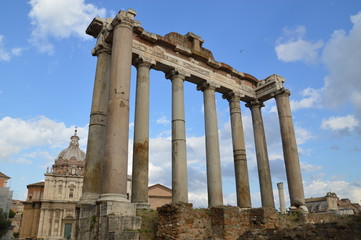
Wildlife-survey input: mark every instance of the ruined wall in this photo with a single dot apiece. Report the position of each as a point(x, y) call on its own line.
point(180, 221)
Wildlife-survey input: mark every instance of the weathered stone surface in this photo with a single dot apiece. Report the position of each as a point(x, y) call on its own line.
point(180, 221)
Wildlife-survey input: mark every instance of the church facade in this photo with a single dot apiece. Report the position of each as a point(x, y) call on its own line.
point(62, 190)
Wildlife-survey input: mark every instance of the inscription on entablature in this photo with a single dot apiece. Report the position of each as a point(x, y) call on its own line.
point(158, 53)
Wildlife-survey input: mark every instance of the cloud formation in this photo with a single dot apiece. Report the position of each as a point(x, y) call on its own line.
point(292, 47)
point(5, 54)
point(19, 137)
point(311, 99)
point(347, 123)
point(60, 19)
point(342, 57)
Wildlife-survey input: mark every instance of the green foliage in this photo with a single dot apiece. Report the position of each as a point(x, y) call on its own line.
point(4, 223)
point(12, 213)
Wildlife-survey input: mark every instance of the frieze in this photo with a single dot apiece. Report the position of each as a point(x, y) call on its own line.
point(160, 55)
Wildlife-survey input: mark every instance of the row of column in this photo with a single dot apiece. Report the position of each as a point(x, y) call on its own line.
point(110, 124)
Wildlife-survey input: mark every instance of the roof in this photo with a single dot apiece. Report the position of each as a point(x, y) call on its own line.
point(316, 199)
point(4, 176)
point(73, 150)
point(158, 185)
point(39, 184)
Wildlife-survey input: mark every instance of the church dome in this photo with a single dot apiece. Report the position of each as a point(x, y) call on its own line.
point(73, 151)
point(70, 161)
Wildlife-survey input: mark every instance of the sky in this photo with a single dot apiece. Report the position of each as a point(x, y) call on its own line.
point(47, 76)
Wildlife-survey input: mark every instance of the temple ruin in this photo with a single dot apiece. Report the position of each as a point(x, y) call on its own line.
point(104, 211)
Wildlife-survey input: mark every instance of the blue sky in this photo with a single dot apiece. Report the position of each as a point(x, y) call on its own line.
point(47, 73)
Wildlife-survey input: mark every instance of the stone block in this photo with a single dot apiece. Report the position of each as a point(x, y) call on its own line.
point(117, 208)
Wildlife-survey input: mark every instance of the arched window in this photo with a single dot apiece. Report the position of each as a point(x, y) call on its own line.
point(71, 193)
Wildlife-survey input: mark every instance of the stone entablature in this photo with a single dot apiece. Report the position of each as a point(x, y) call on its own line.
point(185, 53)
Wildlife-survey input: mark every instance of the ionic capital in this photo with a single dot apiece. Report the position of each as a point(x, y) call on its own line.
point(101, 46)
point(207, 85)
point(125, 19)
point(233, 96)
point(177, 73)
point(143, 61)
point(254, 104)
point(281, 92)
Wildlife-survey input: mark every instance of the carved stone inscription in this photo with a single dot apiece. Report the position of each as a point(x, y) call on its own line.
point(160, 55)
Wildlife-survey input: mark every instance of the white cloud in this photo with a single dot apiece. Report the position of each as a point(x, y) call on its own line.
point(342, 57)
point(163, 120)
point(311, 98)
point(17, 51)
point(348, 122)
point(18, 136)
point(302, 135)
point(60, 19)
point(5, 54)
point(343, 189)
point(292, 47)
point(307, 167)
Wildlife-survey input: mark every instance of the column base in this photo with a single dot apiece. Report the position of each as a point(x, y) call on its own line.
point(87, 222)
point(88, 198)
point(116, 197)
point(301, 208)
point(118, 220)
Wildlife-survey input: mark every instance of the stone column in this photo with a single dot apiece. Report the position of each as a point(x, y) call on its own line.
point(114, 187)
point(214, 176)
point(239, 152)
point(290, 152)
point(98, 119)
point(281, 194)
point(264, 172)
point(141, 135)
point(179, 154)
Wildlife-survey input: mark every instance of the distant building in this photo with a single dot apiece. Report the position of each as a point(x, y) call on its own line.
point(159, 195)
point(331, 203)
point(31, 214)
point(18, 207)
point(3, 179)
point(345, 204)
point(5, 193)
point(49, 211)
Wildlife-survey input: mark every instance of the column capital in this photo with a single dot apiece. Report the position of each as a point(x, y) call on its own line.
point(280, 92)
point(177, 72)
point(207, 85)
point(101, 45)
point(125, 19)
point(142, 61)
point(233, 96)
point(255, 103)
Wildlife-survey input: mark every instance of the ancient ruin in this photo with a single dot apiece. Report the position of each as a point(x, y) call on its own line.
point(104, 212)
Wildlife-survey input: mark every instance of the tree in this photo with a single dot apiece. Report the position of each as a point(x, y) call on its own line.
point(4, 223)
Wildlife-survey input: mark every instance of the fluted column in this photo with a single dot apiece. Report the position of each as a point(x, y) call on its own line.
point(179, 154)
point(239, 152)
point(281, 194)
point(115, 167)
point(141, 135)
point(264, 172)
point(214, 176)
point(290, 152)
point(97, 125)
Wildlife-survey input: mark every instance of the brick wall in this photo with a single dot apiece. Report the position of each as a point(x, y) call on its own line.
point(181, 221)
